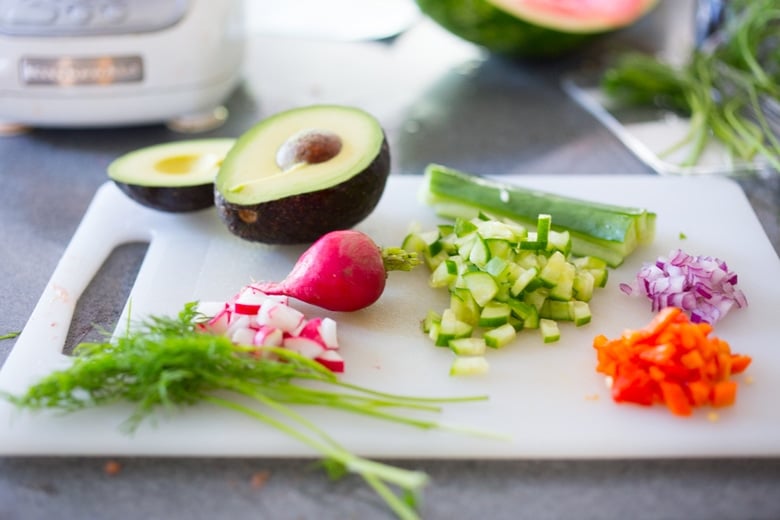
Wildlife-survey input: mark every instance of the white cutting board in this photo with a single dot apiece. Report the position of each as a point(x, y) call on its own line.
point(547, 399)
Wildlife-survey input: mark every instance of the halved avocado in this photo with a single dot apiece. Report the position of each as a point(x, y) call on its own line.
point(175, 177)
point(302, 173)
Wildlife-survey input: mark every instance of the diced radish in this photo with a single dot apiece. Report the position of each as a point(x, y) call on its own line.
point(243, 336)
point(279, 315)
point(247, 309)
point(303, 346)
point(237, 322)
point(311, 330)
point(211, 309)
point(267, 336)
point(329, 333)
point(219, 323)
point(249, 300)
point(331, 360)
point(251, 317)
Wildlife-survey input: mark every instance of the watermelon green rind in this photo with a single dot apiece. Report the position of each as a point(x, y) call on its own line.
point(517, 28)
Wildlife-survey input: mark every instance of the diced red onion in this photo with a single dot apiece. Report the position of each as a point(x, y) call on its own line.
point(702, 286)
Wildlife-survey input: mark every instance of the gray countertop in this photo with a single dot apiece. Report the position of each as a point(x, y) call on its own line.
point(440, 100)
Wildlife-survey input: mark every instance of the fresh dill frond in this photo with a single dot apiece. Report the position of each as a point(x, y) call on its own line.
point(167, 362)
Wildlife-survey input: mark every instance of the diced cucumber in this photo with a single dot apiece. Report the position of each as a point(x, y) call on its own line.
point(543, 224)
point(494, 314)
point(596, 267)
point(414, 243)
point(444, 274)
point(451, 328)
point(498, 289)
point(431, 318)
point(523, 280)
point(479, 253)
point(552, 270)
point(483, 287)
point(464, 306)
point(549, 330)
point(463, 227)
point(580, 313)
point(468, 346)
point(498, 268)
point(500, 248)
point(556, 310)
point(536, 297)
point(559, 241)
point(445, 229)
point(469, 366)
point(525, 312)
point(584, 284)
point(500, 336)
point(564, 288)
point(495, 229)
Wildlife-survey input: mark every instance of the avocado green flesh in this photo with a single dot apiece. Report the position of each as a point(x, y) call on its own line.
point(250, 174)
point(515, 29)
point(174, 177)
point(182, 163)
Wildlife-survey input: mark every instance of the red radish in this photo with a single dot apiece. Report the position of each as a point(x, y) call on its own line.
point(342, 271)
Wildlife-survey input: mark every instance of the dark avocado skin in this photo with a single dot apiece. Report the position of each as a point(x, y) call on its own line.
point(303, 218)
point(181, 199)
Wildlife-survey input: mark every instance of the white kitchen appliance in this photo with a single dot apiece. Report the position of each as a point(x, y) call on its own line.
point(80, 63)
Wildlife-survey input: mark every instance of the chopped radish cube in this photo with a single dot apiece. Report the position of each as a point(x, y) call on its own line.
point(249, 300)
point(331, 360)
point(311, 330)
point(219, 323)
point(243, 336)
point(211, 309)
point(328, 333)
point(252, 317)
point(303, 346)
point(237, 322)
point(267, 336)
point(279, 315)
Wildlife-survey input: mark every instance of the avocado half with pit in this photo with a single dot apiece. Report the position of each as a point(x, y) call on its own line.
point(302, 173)
point(175, 177)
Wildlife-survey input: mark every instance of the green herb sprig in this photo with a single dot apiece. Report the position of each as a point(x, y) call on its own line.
point(166, 362)
point(724, 87)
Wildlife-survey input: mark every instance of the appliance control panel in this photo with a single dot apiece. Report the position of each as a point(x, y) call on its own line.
point(45, 18)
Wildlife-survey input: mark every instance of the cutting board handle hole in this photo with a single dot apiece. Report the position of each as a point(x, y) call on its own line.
point(102, 302)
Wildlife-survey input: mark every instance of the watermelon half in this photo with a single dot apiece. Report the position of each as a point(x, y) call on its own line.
point(533, 28)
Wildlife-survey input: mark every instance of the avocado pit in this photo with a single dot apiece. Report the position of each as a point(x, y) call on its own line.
point(312, 146)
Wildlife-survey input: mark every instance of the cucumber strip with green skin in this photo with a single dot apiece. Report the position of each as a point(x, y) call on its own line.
point(606, 231)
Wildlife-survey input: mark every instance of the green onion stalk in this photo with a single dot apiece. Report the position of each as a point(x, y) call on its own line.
point(729, 88)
